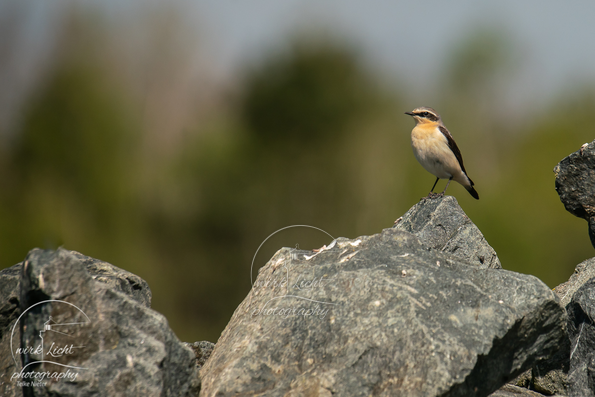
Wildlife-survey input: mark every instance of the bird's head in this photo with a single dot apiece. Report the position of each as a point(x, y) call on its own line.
point(424, 115)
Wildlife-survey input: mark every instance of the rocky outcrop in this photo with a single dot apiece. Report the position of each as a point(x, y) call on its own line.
point(575, 183)
point(442, 225)
point(86, 329)
point(421, 309)
point(383, 315)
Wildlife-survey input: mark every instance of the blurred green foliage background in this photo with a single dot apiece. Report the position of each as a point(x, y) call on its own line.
point(180, 184)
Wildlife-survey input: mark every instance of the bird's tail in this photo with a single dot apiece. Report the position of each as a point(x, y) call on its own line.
point(473, 192)
point(471, 189)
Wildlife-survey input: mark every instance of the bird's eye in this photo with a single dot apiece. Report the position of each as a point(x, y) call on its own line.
point(424, 114)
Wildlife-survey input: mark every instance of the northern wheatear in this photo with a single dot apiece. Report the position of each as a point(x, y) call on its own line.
point(437, 151)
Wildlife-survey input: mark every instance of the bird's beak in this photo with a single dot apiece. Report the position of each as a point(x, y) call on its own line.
point(409, 113)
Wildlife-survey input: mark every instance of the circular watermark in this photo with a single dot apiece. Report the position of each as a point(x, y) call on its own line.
point(40, 351)
point(271, 235)
point(300, 305)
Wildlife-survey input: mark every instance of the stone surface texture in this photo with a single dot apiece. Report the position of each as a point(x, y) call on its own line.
point(97, 332)
point(581, 329)
point(549, 377)
point(515, 391)
point(575, 184)
point(570, 370)
point(583, 272)
point(116, 278)
point(382, 315)
point(9, 312)
point(442, 225)
point(202, 351)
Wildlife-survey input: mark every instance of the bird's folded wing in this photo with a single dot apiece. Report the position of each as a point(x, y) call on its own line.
point(453, 146)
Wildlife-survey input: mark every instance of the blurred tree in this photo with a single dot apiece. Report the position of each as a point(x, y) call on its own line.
point(292, 154)
point(310, 95)
point(299, 112)
point(70, 169)
point(72, 166)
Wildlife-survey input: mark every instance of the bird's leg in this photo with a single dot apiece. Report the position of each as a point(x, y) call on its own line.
point(446, 187)
point(435, 183)
point(432, 194)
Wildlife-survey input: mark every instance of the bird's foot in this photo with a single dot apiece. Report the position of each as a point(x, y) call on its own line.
point(433, 195)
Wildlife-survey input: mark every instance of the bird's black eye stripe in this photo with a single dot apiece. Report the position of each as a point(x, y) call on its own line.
point(427, 115)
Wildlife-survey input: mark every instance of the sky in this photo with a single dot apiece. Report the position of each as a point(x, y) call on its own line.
point(555, 41)
point(408, 42)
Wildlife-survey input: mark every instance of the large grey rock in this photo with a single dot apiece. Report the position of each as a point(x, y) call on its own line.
point(114, 277)
point(575, 183)
point(382, 315)
point(442, 225)
point(103, 337)
point(581, 329)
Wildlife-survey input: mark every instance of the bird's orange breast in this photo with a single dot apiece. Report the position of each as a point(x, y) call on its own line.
point(427, 134)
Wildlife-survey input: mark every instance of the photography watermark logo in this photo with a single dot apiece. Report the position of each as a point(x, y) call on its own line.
point(45, 347)
point(288, 303)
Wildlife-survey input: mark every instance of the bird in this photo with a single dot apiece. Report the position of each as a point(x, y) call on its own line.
point(436, 150)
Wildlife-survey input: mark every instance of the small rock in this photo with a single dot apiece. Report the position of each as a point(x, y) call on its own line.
point(547, 377)
point(202, 350)
point(441, 224)
point(550, 377)
point(575, 183)
point(515, 391)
